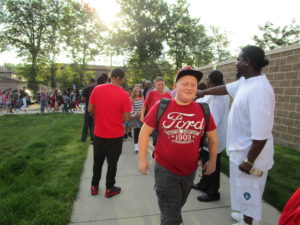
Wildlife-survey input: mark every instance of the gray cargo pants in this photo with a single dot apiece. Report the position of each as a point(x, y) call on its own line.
point(172, 191)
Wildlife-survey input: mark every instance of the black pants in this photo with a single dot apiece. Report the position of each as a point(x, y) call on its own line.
point(211, 182)
point(136, 132)
point(111, 149)
point(88, 127)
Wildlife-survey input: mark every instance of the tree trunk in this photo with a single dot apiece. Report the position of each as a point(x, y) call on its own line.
point(52, 75)
point(32, 84)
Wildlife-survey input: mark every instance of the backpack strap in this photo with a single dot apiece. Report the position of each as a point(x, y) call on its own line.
point(206, 111)
point(164, 102)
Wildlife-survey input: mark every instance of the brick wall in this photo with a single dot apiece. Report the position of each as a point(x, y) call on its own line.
point(283, 72)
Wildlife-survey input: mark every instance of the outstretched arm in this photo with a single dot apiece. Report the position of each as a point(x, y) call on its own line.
point(219, 90)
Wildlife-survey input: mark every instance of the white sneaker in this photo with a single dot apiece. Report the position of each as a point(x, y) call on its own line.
point(237, 216)
point(136, 147)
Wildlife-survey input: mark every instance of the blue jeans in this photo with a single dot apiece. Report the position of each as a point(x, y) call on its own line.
point(43, 105)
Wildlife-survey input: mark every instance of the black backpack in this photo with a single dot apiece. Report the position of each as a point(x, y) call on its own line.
point(164, 102)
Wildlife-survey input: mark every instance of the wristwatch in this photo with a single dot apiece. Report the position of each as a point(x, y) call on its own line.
point(248, 162)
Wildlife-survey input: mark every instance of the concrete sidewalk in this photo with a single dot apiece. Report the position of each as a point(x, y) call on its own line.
point(137, 204)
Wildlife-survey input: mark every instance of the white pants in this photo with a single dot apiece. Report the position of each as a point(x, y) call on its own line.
point(24, 106)
point(246, 192)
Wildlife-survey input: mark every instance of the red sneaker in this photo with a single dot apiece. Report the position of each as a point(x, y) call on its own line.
point(94, 190)
point(112, 191)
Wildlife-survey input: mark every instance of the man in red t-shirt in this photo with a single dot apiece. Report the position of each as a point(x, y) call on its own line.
point(176, 153)
point(110, 105)
point(155, 95)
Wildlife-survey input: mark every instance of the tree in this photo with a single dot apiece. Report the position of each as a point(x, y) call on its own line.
point(141, 29)
point(54, 40)
point(137, 70)
point(219, 45)
point(84, 37)
point(25, 24)
point(186, 38)
point(274, 37)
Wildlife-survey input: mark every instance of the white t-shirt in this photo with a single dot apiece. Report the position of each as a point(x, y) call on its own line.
point(219, 108)
point(251, 117)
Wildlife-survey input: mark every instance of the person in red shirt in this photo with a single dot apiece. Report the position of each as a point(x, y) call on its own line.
point(177, 149)
point(155, 95)
point(110, 105)
point(291, 212)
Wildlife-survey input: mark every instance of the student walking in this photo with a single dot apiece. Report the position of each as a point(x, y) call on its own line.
point(110, 105)
point(137, 103)
point(177, 149)
point(155, 95)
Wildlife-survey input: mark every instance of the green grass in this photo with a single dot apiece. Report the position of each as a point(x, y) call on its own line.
point(41, 159)
point(283, 179)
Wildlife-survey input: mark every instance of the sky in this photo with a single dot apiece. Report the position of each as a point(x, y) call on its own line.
point(239, 19)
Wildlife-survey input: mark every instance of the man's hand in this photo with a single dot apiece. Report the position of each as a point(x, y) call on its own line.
point(245, 167)
point(209, 167)
point(143, 166)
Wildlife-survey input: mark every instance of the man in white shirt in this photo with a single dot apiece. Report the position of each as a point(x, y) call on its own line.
point(249, 136)
point(219, 108)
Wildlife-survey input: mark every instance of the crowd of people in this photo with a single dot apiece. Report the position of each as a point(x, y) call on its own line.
point(68, 100)
point(190, 125)
point(13, 100)
point(177, 120)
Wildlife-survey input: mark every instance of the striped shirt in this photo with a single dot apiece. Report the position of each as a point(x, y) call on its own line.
point(137, 105)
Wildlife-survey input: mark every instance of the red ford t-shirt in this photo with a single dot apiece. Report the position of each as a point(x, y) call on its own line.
point(179, 132)
point(110, 102)
point(153, 97)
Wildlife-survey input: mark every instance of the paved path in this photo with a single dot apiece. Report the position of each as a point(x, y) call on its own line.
point(137, 204)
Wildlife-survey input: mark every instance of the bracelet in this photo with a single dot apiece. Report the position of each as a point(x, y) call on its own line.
point(248, 162)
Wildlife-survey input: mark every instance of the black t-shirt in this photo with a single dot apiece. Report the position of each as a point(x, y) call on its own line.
point(23, 94)
point(87, 93)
